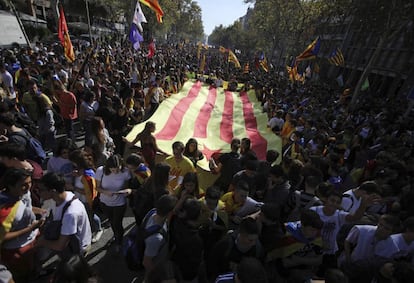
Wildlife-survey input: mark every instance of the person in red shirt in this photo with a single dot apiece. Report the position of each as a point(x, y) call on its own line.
point(67, 103)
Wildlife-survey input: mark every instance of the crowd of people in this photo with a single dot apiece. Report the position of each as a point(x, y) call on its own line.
point(334, 204)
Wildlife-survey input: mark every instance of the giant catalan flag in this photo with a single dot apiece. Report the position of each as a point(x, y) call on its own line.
point(214, 117)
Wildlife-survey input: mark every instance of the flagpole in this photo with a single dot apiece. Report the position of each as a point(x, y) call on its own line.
point(89, 20)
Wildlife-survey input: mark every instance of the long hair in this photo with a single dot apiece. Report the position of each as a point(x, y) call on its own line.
point(187, 152)
point(160, 175)
point(114, 161)
point(97, 130)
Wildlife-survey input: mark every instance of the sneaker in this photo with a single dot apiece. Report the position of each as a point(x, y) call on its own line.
point(97, 236)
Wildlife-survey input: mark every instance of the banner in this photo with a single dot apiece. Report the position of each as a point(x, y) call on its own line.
point(214, 117)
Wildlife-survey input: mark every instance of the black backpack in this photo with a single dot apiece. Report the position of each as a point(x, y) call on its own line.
point(134, 242)
point(34, 148)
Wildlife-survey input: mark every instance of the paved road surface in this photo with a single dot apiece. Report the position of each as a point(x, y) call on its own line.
point(110, 266)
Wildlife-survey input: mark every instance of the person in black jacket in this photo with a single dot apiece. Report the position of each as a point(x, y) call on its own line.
point(185, 242)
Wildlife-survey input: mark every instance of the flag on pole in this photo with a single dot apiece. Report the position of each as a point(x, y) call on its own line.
point(232, 58)
point(155, 6)
point(336, 57)
point(139, 17)
point(263, 62)
point(311, 51)
point(151, 49)
point(63, 34)
point(135, 37)
point(214, 117)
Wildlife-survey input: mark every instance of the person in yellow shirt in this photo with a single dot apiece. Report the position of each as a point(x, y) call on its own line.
point(180, 165)
point(238, 204)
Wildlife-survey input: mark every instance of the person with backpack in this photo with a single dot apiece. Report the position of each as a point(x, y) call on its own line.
point(186, 245)
point(75, 231)
point(13, 134)
point(156, 245)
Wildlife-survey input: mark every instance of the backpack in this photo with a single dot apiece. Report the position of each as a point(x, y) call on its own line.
point(134, 242)
point(24, 121)
point(34, 149)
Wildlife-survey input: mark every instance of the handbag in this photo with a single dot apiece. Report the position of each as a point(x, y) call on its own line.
point(51, 230)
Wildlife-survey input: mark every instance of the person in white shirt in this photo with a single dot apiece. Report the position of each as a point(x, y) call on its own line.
point(7, 82)
point(399, 245)
point(111, 181)
point(357, 260)
point(75, 235)
point(333, 219)
point(351, 199)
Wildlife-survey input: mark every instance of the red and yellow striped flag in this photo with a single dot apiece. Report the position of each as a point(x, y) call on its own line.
point(155, 6)
point(63, 34)
point(213, 116)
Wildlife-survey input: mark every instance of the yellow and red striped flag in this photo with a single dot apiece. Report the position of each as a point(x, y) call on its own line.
point(155, 6)
point(63, 34)
point(214, 117)
point(232, 58)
